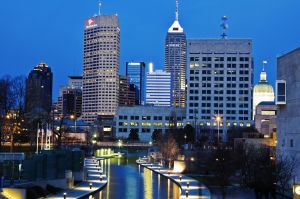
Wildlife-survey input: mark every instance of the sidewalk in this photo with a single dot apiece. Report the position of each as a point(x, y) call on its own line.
point(190, 188)
point(96, 181)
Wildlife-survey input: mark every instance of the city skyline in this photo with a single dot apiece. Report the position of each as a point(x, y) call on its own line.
point(42, 36)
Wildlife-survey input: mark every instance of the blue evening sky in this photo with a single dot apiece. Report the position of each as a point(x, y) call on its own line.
point(52, 30)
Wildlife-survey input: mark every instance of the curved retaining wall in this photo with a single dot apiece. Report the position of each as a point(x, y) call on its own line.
point(190, 188)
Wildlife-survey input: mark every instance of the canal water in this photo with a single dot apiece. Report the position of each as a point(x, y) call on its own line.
point(127, 180)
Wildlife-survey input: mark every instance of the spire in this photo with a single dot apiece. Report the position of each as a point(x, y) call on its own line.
point(263, 74)
point(177, 11)
point(264, 63)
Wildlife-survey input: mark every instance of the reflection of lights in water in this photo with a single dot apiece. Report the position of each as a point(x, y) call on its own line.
point(168, 188)
point(119, 161)
point(148, 183)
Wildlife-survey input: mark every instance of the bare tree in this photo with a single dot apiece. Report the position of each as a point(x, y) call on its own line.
point(169, 149)
point(285, 168)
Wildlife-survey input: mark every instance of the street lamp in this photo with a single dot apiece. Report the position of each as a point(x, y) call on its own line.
point(73, 117)
point(218, 119)
point(119, 145)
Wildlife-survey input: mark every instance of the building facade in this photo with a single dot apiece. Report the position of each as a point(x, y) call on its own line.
point(146, 119)
point(75, 82)
point(288, 106)
point(262, 92)
point(38, 97)
point(265, 118)
point(126, 92)
point(101, 67)
point(158, 88)
point(175, 61)
point(136, 73)
point(219, 84)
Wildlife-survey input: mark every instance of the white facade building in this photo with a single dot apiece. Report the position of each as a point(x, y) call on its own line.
point(146, 119)
point(219, 84)
point(288, 107)
point(101, 67)
point(158, 88)
point(262, 92)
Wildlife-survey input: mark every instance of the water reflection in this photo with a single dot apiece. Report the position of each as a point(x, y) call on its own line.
point(127, 180)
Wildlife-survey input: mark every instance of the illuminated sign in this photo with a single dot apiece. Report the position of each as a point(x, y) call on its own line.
point(106, 129)
point(91, 23)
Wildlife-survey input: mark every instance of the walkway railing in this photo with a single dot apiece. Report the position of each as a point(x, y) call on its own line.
point(190, 188)
point(94, 183)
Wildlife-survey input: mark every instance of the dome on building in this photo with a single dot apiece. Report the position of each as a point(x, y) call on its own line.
point(262, 91)
point(263, 88)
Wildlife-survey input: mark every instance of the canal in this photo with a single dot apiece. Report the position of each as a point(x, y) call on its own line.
point(127, 180)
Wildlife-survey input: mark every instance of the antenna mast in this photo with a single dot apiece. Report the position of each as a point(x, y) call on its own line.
point(224, 26)
point(99, 4)
point(177, 11)
point(264, 64)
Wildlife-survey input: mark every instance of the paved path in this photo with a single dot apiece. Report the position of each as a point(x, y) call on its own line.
point(190, 188)
point(94, 175)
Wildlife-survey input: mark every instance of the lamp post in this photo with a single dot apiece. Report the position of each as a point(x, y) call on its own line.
point(218, 119)
point(119, 145)
point(73, 117)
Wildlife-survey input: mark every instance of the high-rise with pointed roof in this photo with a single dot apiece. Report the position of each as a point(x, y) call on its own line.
point(175, 60)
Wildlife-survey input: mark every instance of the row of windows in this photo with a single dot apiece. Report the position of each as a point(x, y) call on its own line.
point(155, 118)
point(216, 85)
point(231, 59)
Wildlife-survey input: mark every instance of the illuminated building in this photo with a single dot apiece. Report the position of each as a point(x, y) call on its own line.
point(263, 91)
point(126, 92)
point(265, 118)
point(158, 88)
point(135, 71)
point(219, 84)
point(38, 95)
point(101, 67)
point(175, 61)
point(146, 119)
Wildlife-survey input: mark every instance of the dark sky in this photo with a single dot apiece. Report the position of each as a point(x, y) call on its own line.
point(52, 30)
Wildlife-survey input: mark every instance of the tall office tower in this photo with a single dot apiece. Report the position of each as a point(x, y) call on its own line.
point(158, 88)
point(263, 91)
point(126, 92)
point(75, 82)
point(135, 71)
point(39, 89)
point(175, 61)
point(220, 79)
point(71, 101)
point(101, 67)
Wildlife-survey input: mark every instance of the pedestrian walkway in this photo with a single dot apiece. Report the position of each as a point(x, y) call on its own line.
point(96, 181)
point(190, 188)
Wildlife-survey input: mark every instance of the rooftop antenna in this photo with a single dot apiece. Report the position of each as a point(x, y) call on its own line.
point(99, 4)
point(224, 26)
point(177, 11)
point(264, 64)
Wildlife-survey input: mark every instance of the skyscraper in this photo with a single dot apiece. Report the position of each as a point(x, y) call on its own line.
point(39, 89)
point(135, 71)
point(158, 88)
point(220, 79)
point(126, 92)
point(175, 60)
point(101, 67)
